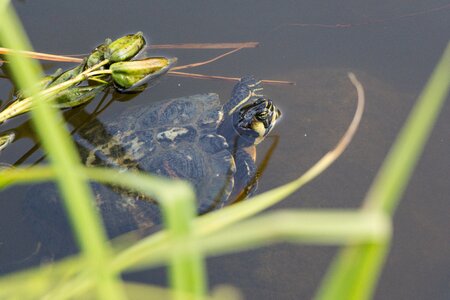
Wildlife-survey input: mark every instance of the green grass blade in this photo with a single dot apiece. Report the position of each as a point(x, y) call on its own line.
point(9, 176)
point(386, 191)
point(177, 201)
point(313, 227)
point(332, 227)
point(186, 267)
point(306, 227)
point(355, 270)
point(62, 155)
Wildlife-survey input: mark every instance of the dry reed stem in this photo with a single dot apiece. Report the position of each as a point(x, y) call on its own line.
point(202, 76)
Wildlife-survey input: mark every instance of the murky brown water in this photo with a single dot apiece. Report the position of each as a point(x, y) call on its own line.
point(392, 59)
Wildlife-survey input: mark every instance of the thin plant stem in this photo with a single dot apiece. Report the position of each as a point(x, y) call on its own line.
point(227, 78)
point(41, 56)
point(65, 162)
point(206, 61)
point(24, 105)
point(75, 59)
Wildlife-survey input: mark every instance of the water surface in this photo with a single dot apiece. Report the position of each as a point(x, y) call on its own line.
point(392, 58)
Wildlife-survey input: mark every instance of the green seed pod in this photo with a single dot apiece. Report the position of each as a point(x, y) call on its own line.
point(77, 95)
point(96, 56)
point(129, 75)
point(125, 47)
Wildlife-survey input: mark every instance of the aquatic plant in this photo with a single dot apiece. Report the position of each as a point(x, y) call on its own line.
point(109, 64)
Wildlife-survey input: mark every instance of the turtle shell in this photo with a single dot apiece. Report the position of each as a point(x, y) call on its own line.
point(176, 138)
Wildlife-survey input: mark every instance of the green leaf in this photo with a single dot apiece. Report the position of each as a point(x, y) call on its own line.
point(77, 95)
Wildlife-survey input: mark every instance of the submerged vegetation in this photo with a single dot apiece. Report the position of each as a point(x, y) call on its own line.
point(364, 234)
point(109, 64)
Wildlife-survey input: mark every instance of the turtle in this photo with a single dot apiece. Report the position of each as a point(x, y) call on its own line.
point(195, 138)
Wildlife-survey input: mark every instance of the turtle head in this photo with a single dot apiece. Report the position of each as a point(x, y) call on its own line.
point(254, 121)
point(248, 115)
point(251, 122)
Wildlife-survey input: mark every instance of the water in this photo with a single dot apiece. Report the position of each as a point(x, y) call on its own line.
point(393, 60)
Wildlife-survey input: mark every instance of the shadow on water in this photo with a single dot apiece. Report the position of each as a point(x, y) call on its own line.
point(391, 59)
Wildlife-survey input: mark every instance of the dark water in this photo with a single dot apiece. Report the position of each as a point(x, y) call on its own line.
point(392, 58)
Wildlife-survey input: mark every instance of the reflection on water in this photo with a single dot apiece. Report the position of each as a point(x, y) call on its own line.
point(392, 60)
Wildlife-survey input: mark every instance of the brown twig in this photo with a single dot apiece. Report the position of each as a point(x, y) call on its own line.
point(173, 71)
point(366, 23)
point(201, 76)
point(346, 139)
point(41, 56)
point(206, 46)
point(200, 46)
point(206, 61)
point(51, 57)
point(74, 58)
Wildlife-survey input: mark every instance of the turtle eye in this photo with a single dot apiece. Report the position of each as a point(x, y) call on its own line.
point(262, 116)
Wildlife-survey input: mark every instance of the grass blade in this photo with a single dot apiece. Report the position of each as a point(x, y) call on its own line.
point(355, 270)
point(63, 156)
point(386, 191)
